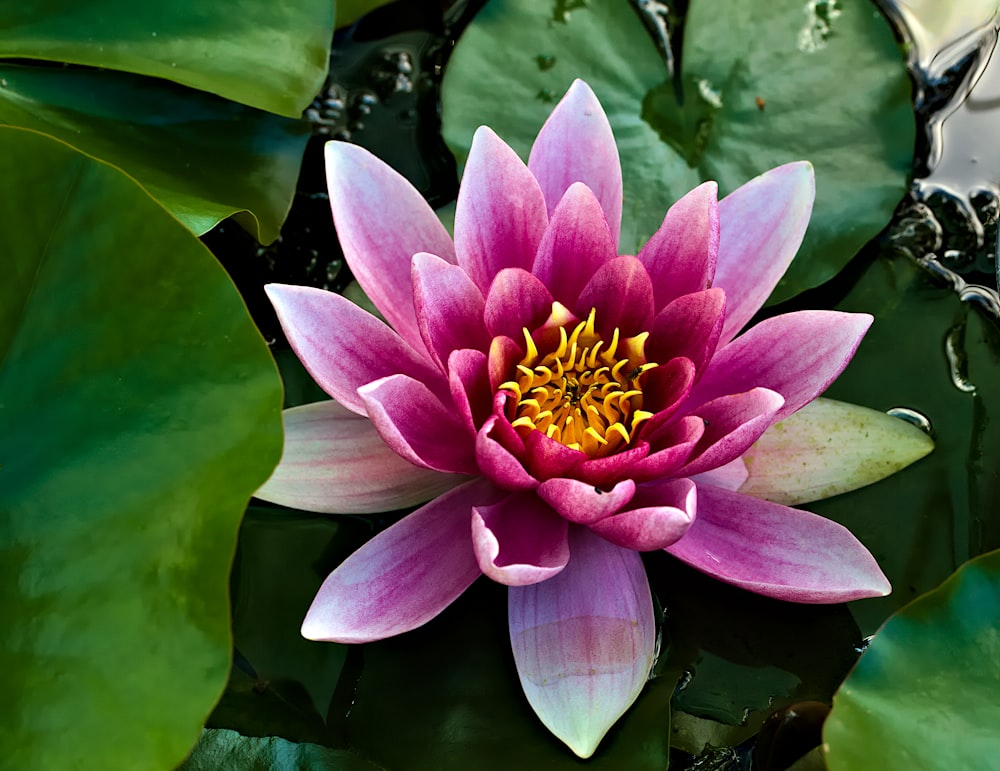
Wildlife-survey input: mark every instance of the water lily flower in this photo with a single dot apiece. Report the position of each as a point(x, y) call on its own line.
point(563, 407)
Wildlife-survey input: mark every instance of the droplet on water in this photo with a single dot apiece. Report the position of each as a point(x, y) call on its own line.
point(913, 417)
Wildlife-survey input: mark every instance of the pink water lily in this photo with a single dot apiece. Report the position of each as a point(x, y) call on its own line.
point(568, 406)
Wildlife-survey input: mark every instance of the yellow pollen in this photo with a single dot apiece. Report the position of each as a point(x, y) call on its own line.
point(586, 393)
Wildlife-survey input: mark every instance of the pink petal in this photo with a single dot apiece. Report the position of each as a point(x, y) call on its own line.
point(608, 471)
point(688, 327)
point(731, 476)
point(621, 293)
point(576, 243)
point(680, 257)
point(584, 641)
point(404, 576)
point(546, 458)
point(732, 424)
point(519, 540)
point(516, 300)
point(677, 441)
point(470, 387)
point(449, 307)
point(761, 226)
point(417, 426)
point(382, 221)
point(496, 460)
point(776, 551)
point(661, 515)
point(576, 145)
point(504, 355)
point(796, 354)
point(582, 503)
point(500, 215)
point(342, 346)
point(666, 388)
point(335, 462)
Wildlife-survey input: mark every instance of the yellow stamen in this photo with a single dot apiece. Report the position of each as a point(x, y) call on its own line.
point(587, 392)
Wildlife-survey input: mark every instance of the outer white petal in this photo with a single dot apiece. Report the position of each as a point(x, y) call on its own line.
point(828, 448)
point(584, 640)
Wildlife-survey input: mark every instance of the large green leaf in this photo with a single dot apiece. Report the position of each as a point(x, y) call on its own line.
point(139, 409)
point(202, 157)
point(925, 696)
point(269, 55)
point(762, 85)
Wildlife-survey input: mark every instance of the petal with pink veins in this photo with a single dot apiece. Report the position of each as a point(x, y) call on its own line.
point(470, 387)
point(680, 257)
point(576, 145)
point(730, 476)
point(382, 221)
point(516, 300)
point(776, 551)
point(334, 462)
point(546, 458)
point(689, 327)
point(500, 215)
point(417, 426)
point(623, 296)
point(659, 515)
point(496, 460)
point(576, 243)
point(584, 640)
point(404, 576)
point(732, 424)
point(519, 540)
point(796, 354)
point(342, 346)
point(582, 503)
point(449, 307)
point(761, 226)
point(828, 448)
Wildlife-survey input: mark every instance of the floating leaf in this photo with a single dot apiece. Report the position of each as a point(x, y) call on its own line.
point(200, 156)
point(139, 409)
point(221, 748)
point(762, 84)
point(925, 696)
point(268, 55)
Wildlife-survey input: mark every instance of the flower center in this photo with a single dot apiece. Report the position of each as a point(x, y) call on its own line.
point(584, 394)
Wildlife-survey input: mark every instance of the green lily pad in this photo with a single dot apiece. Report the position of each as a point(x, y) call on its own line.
point(139, 409)
point(925, 696)
point(202, 157)
point(272, 56)
point(763, 84)
point(221, 748)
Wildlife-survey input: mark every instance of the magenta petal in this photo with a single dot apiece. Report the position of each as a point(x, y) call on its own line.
point(342, 346)
point(623, 296)
point(776, 551)
point(576, 145)
point(732, 424)
point(677, 441)
point(500, 215)
point(449, 307)
point(516, 300)
point(582, 503)
point(761, 226)
point(382, 221)
point(497, 461)
point(470, 387)
point(335, 462)
point(402, 577)
point(796, 354)
point(688, 327)
point(662, 515)
point(584, 640)
point(519, 540)
point(680, 257)
point(730, 476)
point(416, 425)
point(576, 243)
point(546, 458)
